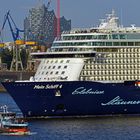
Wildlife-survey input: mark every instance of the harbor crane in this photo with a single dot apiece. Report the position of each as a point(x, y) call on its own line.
point(16, 63)
point(13, 27)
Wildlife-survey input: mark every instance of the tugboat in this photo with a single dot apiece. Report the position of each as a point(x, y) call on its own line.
point(11, 125)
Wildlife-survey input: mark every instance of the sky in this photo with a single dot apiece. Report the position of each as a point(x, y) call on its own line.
point(83, 13)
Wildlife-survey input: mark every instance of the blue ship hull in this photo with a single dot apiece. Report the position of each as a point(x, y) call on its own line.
point(36, 99)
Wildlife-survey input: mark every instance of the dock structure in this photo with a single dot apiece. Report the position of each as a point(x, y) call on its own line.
point(13, 76)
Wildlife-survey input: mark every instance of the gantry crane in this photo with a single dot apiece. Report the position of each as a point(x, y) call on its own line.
point(16, 63)
point(13, 27)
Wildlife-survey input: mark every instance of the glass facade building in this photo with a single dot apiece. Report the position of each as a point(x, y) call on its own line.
point(41, 24)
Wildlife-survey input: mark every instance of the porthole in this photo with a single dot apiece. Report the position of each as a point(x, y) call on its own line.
point(56, 72)
point(56, 61)
point(51, 72)
point(67, 61)
point(65, 67)
point(63, 72)
point(61, 61)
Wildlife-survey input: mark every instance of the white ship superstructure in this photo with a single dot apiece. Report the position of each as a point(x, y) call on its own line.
point(60, 69)
point(116, 48)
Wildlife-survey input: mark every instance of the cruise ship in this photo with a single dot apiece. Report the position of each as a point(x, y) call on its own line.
point(94, 71)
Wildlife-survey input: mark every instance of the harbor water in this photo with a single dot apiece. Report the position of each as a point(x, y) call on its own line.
point(93, 128)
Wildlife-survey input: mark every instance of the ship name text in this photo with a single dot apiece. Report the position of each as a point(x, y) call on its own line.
point(82, 90)
point(48, 86)
point(118, 101)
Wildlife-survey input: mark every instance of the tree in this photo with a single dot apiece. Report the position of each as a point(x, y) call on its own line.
point(6, 56)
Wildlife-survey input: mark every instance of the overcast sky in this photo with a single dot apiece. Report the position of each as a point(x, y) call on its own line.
point(83, 13)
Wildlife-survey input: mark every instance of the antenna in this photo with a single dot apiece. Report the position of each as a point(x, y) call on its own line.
point(121, 18)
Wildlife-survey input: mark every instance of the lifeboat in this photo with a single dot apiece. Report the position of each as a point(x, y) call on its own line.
point(137, 83)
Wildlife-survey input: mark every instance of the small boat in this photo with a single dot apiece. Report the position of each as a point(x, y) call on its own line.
point(11, 125)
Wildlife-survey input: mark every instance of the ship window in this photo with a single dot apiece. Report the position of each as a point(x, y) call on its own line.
point(51, 72)
point(59, 67)
point(122, 36)
point(56, 72)
point(94, 37)
point(49, 67)
point(108, 43)
point(116, 44)
point(137, 43)
point(89, 37)
point(67, 61)
point(130, 43)
point(63, 72)
point(61, 61)
point(102, 37)
point(53, 67)
point(56, 61)
point(65, 67)
point(46, 72)
point(114, 36)
point(123, 44)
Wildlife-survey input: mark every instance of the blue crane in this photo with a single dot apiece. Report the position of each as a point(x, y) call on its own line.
point(13, 28)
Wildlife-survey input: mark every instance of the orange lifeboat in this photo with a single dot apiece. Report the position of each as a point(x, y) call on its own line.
point(137, 83)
